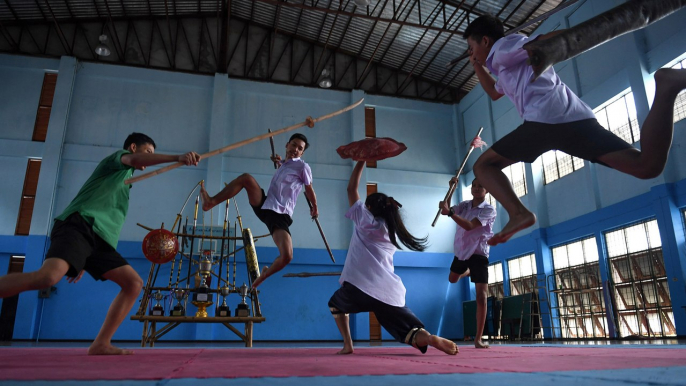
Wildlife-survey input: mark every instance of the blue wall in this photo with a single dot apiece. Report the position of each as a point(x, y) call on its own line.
point(102, 104)
point(97, 105)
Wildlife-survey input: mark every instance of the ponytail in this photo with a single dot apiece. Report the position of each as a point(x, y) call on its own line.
point(381, 205)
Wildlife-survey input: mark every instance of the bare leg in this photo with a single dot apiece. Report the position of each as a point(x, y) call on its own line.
point(244, 181)
point(343, 323)
point(283, 241)
point(488, 169)
point(656, 132)
point(48, 274)
point(481, 304)
point(454, 277)
point(131, 285)
point(447, 346)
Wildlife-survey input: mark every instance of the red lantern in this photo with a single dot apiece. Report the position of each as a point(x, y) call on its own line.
point(160, 246)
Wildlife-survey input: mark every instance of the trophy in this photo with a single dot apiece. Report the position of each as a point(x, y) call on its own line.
point(157, 309)
point(180, 295)
point(224, 309)
point(202, 298)
point(243, 309)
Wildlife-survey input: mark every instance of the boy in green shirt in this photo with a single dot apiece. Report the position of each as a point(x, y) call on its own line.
point(85, 236)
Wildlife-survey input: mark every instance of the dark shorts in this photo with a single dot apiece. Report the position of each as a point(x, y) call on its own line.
point(585, 139)
point(398, 321)
point(74, 241)
point(271, 219)
point(478, 268)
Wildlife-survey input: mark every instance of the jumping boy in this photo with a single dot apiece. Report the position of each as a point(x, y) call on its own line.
point(276, 207)
point(474, 220)
point(555, 118)
point(85, 236)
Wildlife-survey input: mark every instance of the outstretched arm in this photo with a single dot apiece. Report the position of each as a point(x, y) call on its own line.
point(309, 194)
point(138, 160)
point(354, 183)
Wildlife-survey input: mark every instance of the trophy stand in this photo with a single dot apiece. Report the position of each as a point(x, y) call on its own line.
point(195, 255)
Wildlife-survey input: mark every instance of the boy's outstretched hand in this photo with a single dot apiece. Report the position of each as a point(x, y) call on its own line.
point(190, 158)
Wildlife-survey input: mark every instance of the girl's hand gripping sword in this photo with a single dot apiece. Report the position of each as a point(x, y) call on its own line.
point(476, 142)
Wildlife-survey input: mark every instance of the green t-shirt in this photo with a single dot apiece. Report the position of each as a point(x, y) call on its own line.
point(104, 199)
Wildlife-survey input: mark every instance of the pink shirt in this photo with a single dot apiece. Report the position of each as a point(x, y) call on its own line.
point(369, 263)
point(547, 99)
point(468, 243)
point(286, 185)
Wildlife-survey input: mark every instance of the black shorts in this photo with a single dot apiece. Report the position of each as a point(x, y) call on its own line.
point(478, 268)
point(398, 321)
point(271, 219)
point(74, 241)
point(585, 139)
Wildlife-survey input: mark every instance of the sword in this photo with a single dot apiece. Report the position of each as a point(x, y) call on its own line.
point(316, 219)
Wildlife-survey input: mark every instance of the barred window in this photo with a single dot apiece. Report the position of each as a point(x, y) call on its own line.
point(517, 176)
point(640, 287)
point(619, 116)
point(557, 164)
point(578, 289)
point(522, 272)
point(495, 280)
point(680, 103)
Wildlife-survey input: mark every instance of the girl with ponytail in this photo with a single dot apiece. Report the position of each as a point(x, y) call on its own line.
point(368, 282)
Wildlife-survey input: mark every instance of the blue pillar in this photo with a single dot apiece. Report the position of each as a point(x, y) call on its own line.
point(603, 266)
point(545, 268)
point(670, 223)
point(28, 318)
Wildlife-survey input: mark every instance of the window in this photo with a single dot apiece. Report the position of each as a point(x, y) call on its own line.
point(515, 173)
point(28, 197)
point(40, 128)
point(490, 200)
point(619, 116)
point(370, 128)
point(643, 306)
point(578, 288)
point(557, 164)
point(680, 103)
point(522, 272)
point(495, 280)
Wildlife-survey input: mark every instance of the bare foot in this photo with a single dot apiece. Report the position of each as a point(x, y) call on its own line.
point(672, 80)
point(480, 344)
point(447, 346)
point(260, 279)
point(346, 350)
point(206, 199)
point(516, 224)
point(107, 350)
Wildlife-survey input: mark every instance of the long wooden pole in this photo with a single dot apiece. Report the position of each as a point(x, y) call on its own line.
point(457, 175)
point(308, 122)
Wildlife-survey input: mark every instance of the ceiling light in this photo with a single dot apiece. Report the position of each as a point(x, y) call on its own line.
point(102, 48)
point(326, 81)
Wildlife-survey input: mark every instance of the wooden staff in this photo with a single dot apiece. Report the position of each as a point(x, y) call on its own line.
point(309, 122)
point(519, 28)
point(457, 175)
point(316, 219)
point(312, 274)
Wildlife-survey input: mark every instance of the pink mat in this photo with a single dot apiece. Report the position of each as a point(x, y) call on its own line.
point(72, 364)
